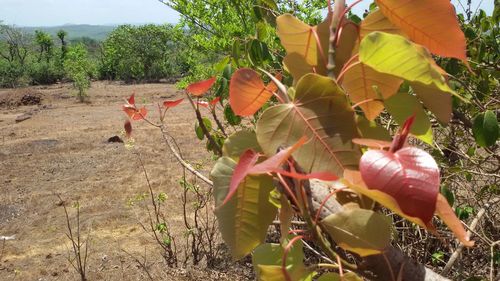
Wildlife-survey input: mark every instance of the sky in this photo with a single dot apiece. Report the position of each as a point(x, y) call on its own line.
point(104, 12)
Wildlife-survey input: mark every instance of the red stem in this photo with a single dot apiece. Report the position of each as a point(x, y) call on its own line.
point(285, 255)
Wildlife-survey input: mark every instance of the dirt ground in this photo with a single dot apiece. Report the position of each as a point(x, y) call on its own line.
point(62, 148)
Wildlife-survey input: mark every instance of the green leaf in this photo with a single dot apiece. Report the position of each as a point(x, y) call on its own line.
point(485, 129)
point(448, 194)
point(371, 130)
point(239, 142)
point(396, 55)
point(245, 218)
point(231, 118)
point(199, 131)
point(437, 101)
point(403, 105)
point(267, 261)
point(317, 104)
point(361, 231)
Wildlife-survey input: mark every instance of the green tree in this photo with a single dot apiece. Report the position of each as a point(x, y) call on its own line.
point(14, 50)
point(141, 53)
point(79, 69)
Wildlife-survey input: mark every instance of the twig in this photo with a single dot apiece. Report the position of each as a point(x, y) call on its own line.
point(473, 225)
point(183, 162)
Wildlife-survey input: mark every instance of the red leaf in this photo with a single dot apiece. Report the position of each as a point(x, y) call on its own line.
point(214, 102)
point(140, 114)
point(247, 92)
point(201, 87)
point(247, 160)
point(410, 176)
point(134, 113)
point(131, 100)
point(275, 162)
point(128, 128)
point(169, 104)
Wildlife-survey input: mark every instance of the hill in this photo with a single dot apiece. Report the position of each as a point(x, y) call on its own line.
point(96, 32)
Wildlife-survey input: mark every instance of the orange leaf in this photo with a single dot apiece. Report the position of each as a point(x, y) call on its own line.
point(432, 23)
point(134, 113)
point(272, 87)
point(169, 104)
point(200, 88)
point(359, 82)
point(247, 92)
point(445, 212)
point(372, 143)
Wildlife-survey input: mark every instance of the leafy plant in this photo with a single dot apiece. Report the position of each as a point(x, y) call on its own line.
point(79, 69)
point(314, 112)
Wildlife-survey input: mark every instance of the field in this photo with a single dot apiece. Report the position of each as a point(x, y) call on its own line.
point(63, 149)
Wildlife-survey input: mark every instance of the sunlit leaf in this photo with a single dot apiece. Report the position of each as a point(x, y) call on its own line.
point(247, 92)
point(170, 104)
point(318, 102)
point(386, 53)
point(432, 23)
point(360, 82)
point(200, 88)
point(376, 21)
point(245, 218)
point(361, 231)
point(410, 175)
point(403, 105)
point(298, 37)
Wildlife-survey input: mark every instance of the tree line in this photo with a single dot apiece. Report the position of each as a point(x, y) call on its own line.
point(130, 53)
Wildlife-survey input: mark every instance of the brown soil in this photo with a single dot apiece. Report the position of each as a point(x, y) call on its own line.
point(63, 149)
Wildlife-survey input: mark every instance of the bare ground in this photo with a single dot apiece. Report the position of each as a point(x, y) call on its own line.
point(62, 149)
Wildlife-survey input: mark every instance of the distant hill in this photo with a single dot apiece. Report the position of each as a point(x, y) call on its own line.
point(96, 32)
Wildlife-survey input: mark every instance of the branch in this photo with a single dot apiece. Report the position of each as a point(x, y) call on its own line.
point(168, 140)
point(472, 226)
point(375, 267)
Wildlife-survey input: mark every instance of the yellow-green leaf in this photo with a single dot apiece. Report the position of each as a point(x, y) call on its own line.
point(437, 101)
point(403, 105)
point(361, 231)
point(397, 56)
point(245, 218)
point(376, 21)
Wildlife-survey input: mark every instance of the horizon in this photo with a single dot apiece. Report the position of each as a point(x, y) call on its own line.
point(55, 13)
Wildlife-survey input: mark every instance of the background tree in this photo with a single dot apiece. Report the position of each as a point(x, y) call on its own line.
point(79, 69)
point(14, 50)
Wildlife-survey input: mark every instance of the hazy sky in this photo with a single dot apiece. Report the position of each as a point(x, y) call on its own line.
point(58, 12)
